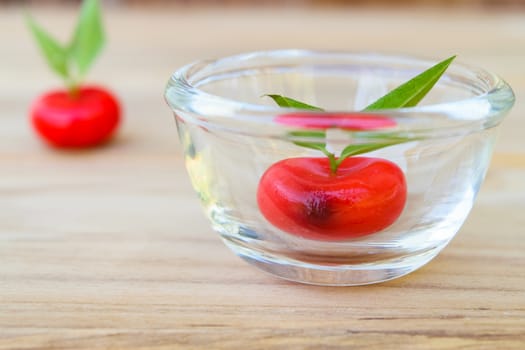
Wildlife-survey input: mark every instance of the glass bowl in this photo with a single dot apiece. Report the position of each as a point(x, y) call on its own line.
point(259, 185)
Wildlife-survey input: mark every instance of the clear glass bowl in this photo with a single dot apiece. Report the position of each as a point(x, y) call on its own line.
point(232, 135)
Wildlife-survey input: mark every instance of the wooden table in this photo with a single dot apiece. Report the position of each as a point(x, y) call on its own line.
point(108, 249)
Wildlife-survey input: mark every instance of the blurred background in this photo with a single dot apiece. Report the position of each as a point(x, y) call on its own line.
point(388, 3)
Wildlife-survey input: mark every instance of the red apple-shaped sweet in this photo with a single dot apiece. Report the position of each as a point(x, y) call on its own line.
point(301, 196)
point(87, 118)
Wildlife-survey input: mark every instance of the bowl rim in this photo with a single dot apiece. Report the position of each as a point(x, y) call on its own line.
point(184, 95)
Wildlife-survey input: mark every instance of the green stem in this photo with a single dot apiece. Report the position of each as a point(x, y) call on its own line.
point(333, 161)
point(73, 85)
point(74, 91)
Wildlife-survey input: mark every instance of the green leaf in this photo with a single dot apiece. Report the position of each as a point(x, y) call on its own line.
point(410, 93)
point(89, 37)
point(307, 133)
point(54, 53)
point(288, 102)
point(320, 146)
point(353, 150)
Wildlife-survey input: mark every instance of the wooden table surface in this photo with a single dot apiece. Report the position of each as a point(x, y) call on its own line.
point(108, 248)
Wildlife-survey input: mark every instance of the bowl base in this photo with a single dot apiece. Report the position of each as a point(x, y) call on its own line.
point(332, 275)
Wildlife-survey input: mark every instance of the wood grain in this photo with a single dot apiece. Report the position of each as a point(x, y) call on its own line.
point(108, 249)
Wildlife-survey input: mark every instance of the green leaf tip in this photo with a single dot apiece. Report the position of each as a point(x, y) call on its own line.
point(409, 94)
point(288, 102)
point(54, 53)
point(89, 37)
